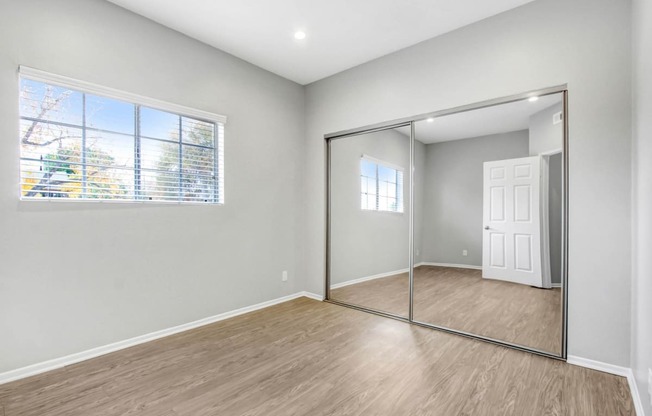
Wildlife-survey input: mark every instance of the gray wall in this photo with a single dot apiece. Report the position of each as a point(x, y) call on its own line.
point(365, 243)
point(74, 276)
point(544, 135)
point(452, 219)
point(642, 281)
point(584, 43)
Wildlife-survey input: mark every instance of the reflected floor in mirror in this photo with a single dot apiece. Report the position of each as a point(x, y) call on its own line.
point(461, 299)
point(388, 294)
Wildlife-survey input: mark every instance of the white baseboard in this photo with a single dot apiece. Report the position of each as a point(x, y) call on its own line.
point(598, 365)
point(311, 295)
point(395, 272)
point(636, 396)
point(53, 364)
point(366, 278)
point(458, 266)
point(612, 369)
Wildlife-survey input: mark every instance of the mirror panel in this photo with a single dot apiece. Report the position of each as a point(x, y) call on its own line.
point(369, 220)
point(488, 222)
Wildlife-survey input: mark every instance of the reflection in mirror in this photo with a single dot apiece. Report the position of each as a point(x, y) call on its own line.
point(369, 221)
point(488, 222)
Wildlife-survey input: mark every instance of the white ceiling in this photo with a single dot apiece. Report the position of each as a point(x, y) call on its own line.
point(482, 122)
point(340, 33)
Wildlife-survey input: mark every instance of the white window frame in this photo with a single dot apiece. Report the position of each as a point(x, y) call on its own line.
point(90, 88)
point(397, 168)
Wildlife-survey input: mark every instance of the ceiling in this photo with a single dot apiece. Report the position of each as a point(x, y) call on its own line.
point(340, 33)
point(482, 122)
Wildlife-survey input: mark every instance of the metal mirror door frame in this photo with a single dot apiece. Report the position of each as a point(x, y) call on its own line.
point(327, 289)
point(410, 121)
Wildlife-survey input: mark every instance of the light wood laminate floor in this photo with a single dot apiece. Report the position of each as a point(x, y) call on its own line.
point(461, 299)
point(305, 357)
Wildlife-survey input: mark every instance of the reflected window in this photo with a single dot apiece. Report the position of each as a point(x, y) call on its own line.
point(381, 185)
point(81, 146)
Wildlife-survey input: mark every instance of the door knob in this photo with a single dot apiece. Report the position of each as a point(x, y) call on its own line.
point(486, 227)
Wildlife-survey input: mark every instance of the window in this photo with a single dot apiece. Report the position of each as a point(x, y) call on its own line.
point(83, 142)
point(381, 186)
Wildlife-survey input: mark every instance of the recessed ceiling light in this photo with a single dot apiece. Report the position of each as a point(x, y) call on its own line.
point(299, 35)
point(430, 120)
point(533, 99)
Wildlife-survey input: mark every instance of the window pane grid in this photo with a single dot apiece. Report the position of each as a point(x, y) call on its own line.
point(97, 150)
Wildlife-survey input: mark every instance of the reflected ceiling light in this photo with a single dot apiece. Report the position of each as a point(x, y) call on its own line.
point(430, 120)
point(533, 99)
point(299, 35)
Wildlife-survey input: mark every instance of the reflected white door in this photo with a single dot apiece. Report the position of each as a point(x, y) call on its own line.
point(511, 248)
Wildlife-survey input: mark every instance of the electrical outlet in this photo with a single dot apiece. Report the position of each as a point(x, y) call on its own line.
point(284, 276)
point(557, 118)
point(465, 253)
point(417, 253)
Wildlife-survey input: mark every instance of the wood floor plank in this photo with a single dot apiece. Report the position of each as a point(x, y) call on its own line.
point(305, 357)
point(461, 299)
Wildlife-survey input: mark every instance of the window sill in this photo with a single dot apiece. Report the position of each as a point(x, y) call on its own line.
point(117, 202)
point(382, 212)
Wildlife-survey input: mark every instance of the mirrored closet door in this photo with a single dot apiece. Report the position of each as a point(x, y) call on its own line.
point(369, 220)
point(488, 228)
point(482, 218)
